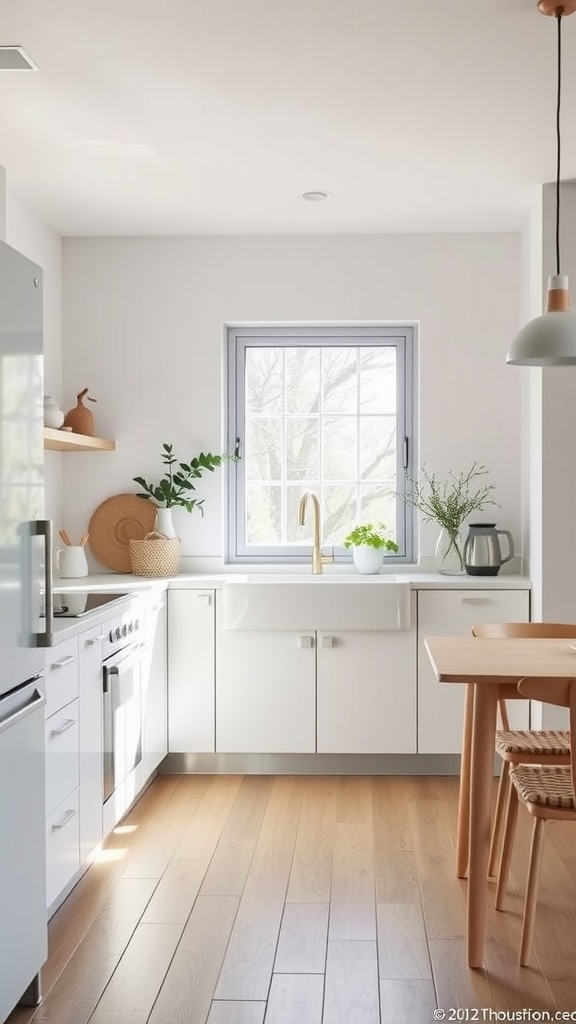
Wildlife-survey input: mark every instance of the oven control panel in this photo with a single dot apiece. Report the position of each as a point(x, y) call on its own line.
point(122, 631)
point(125, 631)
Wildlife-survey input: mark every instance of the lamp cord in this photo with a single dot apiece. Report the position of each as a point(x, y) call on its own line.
point(558, 95)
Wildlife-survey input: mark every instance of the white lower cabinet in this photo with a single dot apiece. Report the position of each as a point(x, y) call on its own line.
point(154, 679)
point(62, 846)
point(265, 692)
point(90, 655)
point(453, 613)
point(341, 692)
point(366, 698)
point(62, 767)
point(191, 666)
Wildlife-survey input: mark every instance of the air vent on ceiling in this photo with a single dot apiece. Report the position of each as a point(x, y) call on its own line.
point(15, 58)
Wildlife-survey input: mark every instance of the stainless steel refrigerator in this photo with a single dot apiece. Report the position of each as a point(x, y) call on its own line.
point(25, 621)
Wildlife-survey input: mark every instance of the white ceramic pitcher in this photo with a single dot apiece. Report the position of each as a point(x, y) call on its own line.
point(71, 561)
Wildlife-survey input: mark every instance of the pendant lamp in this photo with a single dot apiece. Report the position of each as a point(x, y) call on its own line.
point(550, 339)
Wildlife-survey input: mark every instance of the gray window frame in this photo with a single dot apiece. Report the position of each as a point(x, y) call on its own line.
point(239, 337)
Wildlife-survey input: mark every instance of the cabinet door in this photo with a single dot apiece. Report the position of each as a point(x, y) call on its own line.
point(62, 846)
point(191, 671)
point(61, 754)
point(61, 675)
point(265, 692)
point(367, 692)
point(453, 613)
point(90, 732)
point(154, 683)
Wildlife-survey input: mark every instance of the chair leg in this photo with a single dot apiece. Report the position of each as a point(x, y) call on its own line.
point(507, 845)
point(501, 802)
point(536, 848)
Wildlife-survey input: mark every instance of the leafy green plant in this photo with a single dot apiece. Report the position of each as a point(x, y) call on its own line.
point(372, 535)
point(176, 487)
point(450, 502)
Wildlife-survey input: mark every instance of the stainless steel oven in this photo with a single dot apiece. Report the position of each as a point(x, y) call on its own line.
point(121, 702)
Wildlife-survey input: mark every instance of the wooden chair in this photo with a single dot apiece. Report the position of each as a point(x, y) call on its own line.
point(521, 746)
point(547, 792)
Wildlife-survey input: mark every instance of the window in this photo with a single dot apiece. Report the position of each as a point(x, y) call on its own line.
point(327, 409)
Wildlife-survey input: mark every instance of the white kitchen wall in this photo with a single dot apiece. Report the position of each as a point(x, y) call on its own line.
point(144, 325)
point(40, 243)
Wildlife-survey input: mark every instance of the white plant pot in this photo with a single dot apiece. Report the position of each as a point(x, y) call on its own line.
point(367, 560)
point(163, 522)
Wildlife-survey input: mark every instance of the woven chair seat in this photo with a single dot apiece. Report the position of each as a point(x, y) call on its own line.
point(548, 742)
point(548, 786)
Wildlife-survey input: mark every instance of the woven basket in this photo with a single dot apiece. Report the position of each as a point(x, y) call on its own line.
point(156, 555)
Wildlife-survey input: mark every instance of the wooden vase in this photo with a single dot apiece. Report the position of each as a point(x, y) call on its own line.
point(81, 419)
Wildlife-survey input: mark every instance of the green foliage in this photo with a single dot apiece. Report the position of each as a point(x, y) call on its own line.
point(175, 487)
point(372, 535)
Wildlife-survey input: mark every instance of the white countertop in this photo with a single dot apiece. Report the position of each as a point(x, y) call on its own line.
point(417, 581)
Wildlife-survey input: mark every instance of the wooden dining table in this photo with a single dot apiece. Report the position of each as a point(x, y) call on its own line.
point(490, 669)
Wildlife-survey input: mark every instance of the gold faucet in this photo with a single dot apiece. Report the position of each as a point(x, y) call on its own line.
point(318, 559)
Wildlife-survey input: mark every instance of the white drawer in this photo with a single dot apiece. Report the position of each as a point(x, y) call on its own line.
point(62, 759)
point(62, 846)
point(61, 675)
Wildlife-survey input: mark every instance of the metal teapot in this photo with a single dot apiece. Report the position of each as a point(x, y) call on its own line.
point(482, 554)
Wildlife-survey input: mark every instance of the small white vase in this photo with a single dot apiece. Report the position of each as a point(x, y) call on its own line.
point(53, 415)
point(163, 523)
point(367, 560)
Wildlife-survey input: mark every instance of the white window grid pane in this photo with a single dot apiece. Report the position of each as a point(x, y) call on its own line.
point(353, 480)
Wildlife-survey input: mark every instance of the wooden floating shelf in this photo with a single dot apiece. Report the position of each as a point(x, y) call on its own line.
point(68, 441)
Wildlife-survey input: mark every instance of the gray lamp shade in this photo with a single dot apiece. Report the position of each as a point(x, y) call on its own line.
point(550, 339)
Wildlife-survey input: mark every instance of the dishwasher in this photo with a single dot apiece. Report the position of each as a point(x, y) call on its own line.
point(22, 856)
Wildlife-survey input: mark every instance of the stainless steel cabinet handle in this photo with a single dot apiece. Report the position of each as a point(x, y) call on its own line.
point(30, 704)
point(64, 661)
point(91, 640)
point(66, 817)
point(475, 600)
point(63, 727)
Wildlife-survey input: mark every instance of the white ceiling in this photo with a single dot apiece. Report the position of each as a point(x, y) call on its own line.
point(211, 116)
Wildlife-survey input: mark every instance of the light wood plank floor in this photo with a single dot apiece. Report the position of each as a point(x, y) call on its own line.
point(298, 900)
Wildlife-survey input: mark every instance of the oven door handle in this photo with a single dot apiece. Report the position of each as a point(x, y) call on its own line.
point(119, 678)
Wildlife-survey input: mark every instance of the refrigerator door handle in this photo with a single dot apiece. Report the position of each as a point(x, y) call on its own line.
point(32, 637)
point(46, 637)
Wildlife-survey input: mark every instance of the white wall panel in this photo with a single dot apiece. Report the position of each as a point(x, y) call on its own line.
point(144, 322)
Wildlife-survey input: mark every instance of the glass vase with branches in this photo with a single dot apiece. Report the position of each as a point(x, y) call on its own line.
point(450, 502)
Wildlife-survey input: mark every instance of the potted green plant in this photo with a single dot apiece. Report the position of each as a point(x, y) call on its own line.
point(176, 487)
point(368, 543)
point(449, 503)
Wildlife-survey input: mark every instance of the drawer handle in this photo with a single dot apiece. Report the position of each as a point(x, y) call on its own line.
point(204, 598)
point(328, 641)
point(305, 641)
point(64, 661)
point(66, 817)
point(63, 727)
point(475, 600)
point(91, 640)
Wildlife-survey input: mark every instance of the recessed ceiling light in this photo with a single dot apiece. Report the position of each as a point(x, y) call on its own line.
point(315, 195)
point(15, 58)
